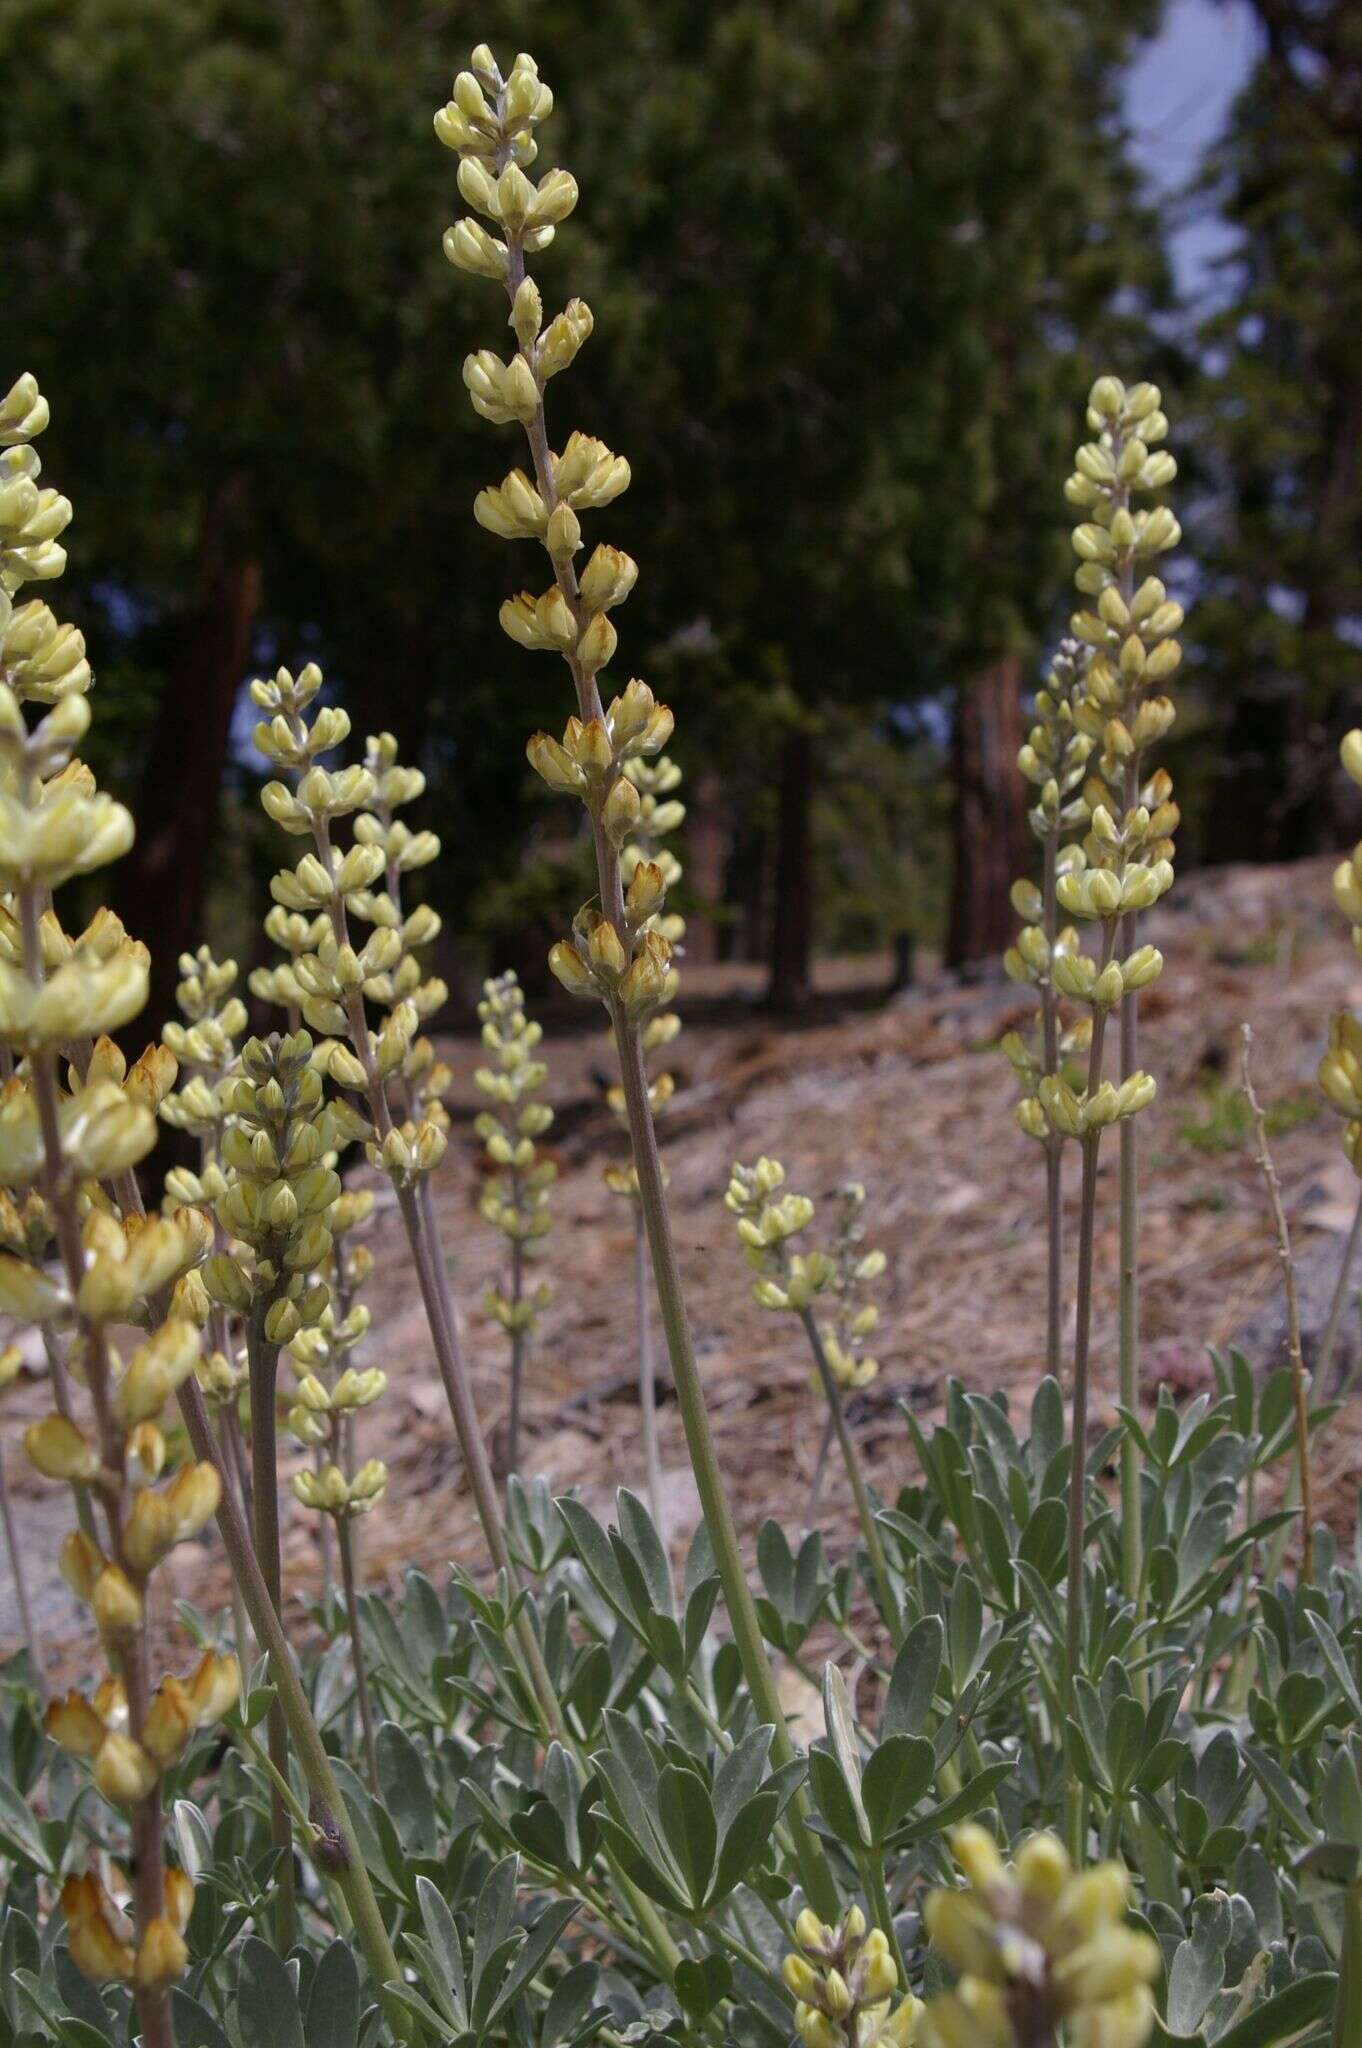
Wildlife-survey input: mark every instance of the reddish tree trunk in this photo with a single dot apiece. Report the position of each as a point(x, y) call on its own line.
point(989, 830)
point(790, 984)
point(163, 881)
point(705, 853)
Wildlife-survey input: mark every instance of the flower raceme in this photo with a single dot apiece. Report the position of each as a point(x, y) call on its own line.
point(80, 1257)
point(845, 1981)
point(620, 953)
point(1036, 1945)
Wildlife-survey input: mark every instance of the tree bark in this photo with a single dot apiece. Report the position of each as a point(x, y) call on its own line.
point(790, 982)
point(989, 835)
point(705, 852)
point(163, 881)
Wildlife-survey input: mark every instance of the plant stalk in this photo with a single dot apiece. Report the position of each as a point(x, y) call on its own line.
point(518, 1337)
point(865, 1507)
point(345, 1546)
point(647, 1373)
point(1347, 2029)
point(1078, 1473)
point(1300, 1383)
point(1054, 1148)
point(814, 1872)
point(263, 1357)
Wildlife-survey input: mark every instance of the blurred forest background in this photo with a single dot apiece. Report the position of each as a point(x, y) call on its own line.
point(853, 263)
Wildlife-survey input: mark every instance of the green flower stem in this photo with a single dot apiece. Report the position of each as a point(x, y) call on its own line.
point(814, 1872)
point(1347, 2031)
point(1302, 1467)
point(418, 1216)
point(872, 1877)
point(518, 1339)
point(345, 1546)
point(865, 1507)
point(1132, 1530)
point(263, 1358)
point(820, 1467)
point(1078, 1475)
point(329, 1814)
point(1054, 1148)
point(647, 1373)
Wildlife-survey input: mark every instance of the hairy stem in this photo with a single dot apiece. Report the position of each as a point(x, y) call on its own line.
point(819, 1469)
point(345, 1545)
point(1132, 1531)
point(264, 1366)
point(1078, 1472)
point(518, 1340)
point(1300, 1382)
point(1054, 1146)
point(647, 1372)
point(814, 1872)
point(865, 1507)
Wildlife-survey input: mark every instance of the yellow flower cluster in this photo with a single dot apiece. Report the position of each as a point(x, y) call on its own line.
point(617, 952)
point(853, 1317)
point(1036, 1945)
point(280, 1189)
point(330, 1393)
point(845, 1979)
point(767, 1221)
point(75, 1119)
point(516, 1196)
point(328, 977)
point(1102, 708)
point(204, 1046)
point(1054, 760)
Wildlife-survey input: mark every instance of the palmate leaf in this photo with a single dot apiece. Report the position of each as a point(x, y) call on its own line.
point(912, 1683)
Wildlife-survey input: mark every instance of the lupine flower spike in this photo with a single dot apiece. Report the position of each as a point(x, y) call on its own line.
point(390, 1084)
point(204, 1046)
point(62, 1133)
point(618, 952)
point(847, 1985)
point(1121, 867)
point(1036, 1946)
point(516, 1197)
point(1054, 760)
point(327, 1401)
point(791, 1281)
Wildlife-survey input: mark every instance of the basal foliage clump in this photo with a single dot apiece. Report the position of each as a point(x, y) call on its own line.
point(1090, 1768)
